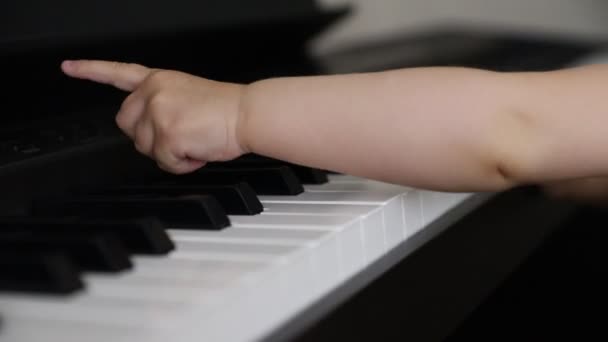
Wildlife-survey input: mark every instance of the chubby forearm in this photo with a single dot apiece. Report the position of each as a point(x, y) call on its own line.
point(451, 129)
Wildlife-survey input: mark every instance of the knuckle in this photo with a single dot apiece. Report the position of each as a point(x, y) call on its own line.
point(171, 146)
point(164, 147)
point(164, 166)
point(164, 163)
point(141, 142)
point(138, 133)
point(121, 118)
point(120, 121)
point(164, 126)
point(159, 101)
point(165, 132)
point(159, 76)
point(157, 148)
point(165, 122)
point(128, 102)
point(139, 146)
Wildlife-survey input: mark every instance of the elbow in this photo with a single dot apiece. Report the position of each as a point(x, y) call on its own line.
point(504, 176)
point(516, 150)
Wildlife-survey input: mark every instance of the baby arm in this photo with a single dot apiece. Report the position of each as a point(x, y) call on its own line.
point(453, 129)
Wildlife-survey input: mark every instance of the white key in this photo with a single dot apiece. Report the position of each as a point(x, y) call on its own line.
point(347, 230)
point(309, 222)
point(161, 266)
point(318, 209)
point(341, 178)
point(412, 212)
point(335, 197)
point(87, 308)
point(249, 235)
point(186, 270)
point(50, 330)
point(371, 216)
point(393, 217)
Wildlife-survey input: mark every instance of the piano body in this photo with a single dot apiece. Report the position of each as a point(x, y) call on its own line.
point(98, 244)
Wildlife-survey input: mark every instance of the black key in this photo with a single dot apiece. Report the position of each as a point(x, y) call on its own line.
point(140, 235)
point(306, 175)
point(236, 199)
point(196, 212)
point(38, 272)
point(274, 180)
point(95, 252)
point(309, 175)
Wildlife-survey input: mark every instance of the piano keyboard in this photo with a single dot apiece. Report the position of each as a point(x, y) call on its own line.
point(241, 282)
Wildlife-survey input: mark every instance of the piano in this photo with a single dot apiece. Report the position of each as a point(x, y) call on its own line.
point(98, 244)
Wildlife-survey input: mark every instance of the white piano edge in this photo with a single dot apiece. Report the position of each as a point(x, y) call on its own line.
point(330, 301)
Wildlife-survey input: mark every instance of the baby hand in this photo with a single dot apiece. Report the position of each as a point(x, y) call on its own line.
point(180, 120)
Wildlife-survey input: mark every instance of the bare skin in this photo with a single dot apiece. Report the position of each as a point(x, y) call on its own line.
point(446, 129)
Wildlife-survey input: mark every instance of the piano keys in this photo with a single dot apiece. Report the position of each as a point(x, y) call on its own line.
point(296, 250)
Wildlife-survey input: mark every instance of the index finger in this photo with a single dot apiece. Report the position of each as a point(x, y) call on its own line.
point(125, 76)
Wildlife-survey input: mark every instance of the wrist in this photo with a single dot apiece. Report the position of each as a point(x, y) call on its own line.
point(243, 116)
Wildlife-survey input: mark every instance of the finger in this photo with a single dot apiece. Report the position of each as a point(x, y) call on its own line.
point(182, 167)
point(174, 163)
point(125, 76)
point(144, 137)
point(131, 111)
